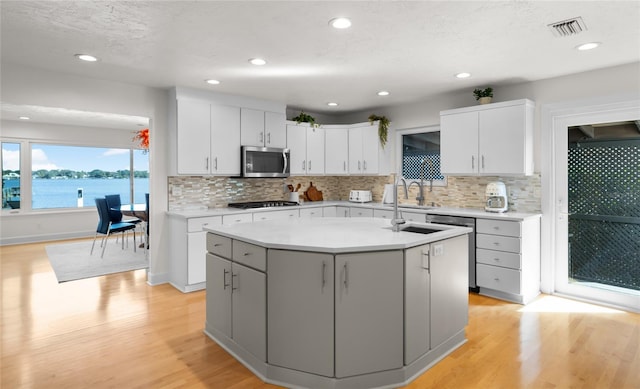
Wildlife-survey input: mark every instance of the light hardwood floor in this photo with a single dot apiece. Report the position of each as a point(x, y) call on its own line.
point(116, 331)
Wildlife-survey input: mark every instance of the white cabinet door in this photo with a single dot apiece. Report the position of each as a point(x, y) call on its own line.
point(343, 211)
point(417, 303)
point(193, 137)
point(336, 151)
point(502, 140)
point(370, 149)
point(275, 130)
point(225, 140)
point(449, 288)
point(327, 212)
point(360, 212)
point(315, 151)
point(219, 294)
point(249, 310)
point(459, 143)
point(297, 145)
point(252, 127)
point(355, 151)
point(196, 251)
point(369, 296)
point(300, 311)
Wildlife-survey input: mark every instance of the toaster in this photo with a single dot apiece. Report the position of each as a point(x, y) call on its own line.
point(360, 196)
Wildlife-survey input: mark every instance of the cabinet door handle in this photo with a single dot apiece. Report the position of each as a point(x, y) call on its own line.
point(346, 276)
point(358, 165)
point(483, 161)
point(309, 165)
point(261, 137)
point(233, 287)
point(215, 163)
point(206, 163)
point(473, 162)
point(364, 165)
point(304, 165)
point(224, 279)
point(428, 268)
point(324, 268)
point(268, 138)
point(344, 166)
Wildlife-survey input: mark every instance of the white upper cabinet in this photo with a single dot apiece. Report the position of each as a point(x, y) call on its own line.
point(366, 155)
point(262, 128)
point(225, 140)
point(336, 151)
point(307, 149)
point(193, 137)
point(208, 138)
point(491, 139)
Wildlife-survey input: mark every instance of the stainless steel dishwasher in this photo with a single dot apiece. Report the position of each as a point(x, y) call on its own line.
point(464, 222)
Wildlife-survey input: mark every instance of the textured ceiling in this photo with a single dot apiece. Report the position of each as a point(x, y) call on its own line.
point(411, 49)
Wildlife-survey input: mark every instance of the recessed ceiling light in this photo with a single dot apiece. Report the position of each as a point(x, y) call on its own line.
point(340, 23)
point(257, 61)
point(463, 75)
point(86, 57)
point(332, 104)
point(24, 118)
point(212, 82)
point(588, 46)
point(383, 93)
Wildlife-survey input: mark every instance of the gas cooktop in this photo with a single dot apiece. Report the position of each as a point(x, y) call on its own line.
point(263, 204)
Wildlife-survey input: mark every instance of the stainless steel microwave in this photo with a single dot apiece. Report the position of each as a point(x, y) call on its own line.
point(265, 162)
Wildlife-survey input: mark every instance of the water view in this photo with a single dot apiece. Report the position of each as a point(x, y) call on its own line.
point(63, 193)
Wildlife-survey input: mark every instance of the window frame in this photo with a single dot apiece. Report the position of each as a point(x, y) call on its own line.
point(26, 173)
point(399, 151)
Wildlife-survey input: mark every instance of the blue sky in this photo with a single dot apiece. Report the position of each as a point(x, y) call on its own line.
point(74, 158)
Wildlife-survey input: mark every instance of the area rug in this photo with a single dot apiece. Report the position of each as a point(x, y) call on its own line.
point(72, 261)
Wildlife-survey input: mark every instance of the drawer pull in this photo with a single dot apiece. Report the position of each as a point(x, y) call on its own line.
point(496, 243)
point(496, 259)
point(246, 254)
point(217, 244)
point(496, 227)
point(496, 279)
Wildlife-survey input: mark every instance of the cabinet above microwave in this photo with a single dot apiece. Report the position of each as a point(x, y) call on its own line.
point(490, 139)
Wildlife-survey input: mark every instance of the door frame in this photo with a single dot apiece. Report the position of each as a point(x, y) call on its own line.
point(556, 118)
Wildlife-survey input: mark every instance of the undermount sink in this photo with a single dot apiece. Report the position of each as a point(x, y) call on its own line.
point(419, 229)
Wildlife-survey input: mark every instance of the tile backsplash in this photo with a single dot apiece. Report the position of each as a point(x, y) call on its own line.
point(465, 192)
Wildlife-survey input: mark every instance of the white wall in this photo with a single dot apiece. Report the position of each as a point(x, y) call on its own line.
point(30, 86)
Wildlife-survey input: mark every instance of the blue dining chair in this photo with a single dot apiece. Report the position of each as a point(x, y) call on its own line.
point(113, 204)
point(107, 227)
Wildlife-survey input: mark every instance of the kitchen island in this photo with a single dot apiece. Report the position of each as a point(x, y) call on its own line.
point(334, 302)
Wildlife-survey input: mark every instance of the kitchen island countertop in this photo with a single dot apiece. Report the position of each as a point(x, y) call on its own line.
point(333, 235)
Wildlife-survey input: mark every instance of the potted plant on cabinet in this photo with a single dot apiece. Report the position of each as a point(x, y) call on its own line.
point(305, 118)
point(483, 96)
point(383, 127)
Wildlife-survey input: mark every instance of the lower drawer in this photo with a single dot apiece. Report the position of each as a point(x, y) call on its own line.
point(498, 278)
point(498, 258)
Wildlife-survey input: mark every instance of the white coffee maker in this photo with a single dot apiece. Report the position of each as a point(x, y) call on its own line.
point(496, 197)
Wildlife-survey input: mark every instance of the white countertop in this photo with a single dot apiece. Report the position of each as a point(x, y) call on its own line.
point(333, 235)
point(465, 212)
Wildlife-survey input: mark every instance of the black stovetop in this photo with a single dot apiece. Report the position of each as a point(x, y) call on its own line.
point(263, 204)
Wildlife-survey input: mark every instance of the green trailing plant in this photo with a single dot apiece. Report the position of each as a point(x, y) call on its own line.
point(305, 118)
point(383, 127)
point(487, 92)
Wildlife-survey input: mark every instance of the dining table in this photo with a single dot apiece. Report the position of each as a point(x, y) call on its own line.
point(134, 210)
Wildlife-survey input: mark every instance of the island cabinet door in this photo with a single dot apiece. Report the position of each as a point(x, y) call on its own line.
point(219, 294)
point(417, 303)
point(249, 310)
point(369, 312)
point(300, 311)
point(449, 288)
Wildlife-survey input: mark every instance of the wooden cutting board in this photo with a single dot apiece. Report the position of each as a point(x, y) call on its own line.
point(312, 193)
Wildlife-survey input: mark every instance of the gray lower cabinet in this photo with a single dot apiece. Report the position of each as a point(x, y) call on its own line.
point(436, 297)
point(236, 301)
point(300, 311)
point(417, 303)
point(368, 312)
point(449, 282)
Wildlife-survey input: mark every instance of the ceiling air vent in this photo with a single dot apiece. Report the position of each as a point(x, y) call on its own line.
point(568, 27)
